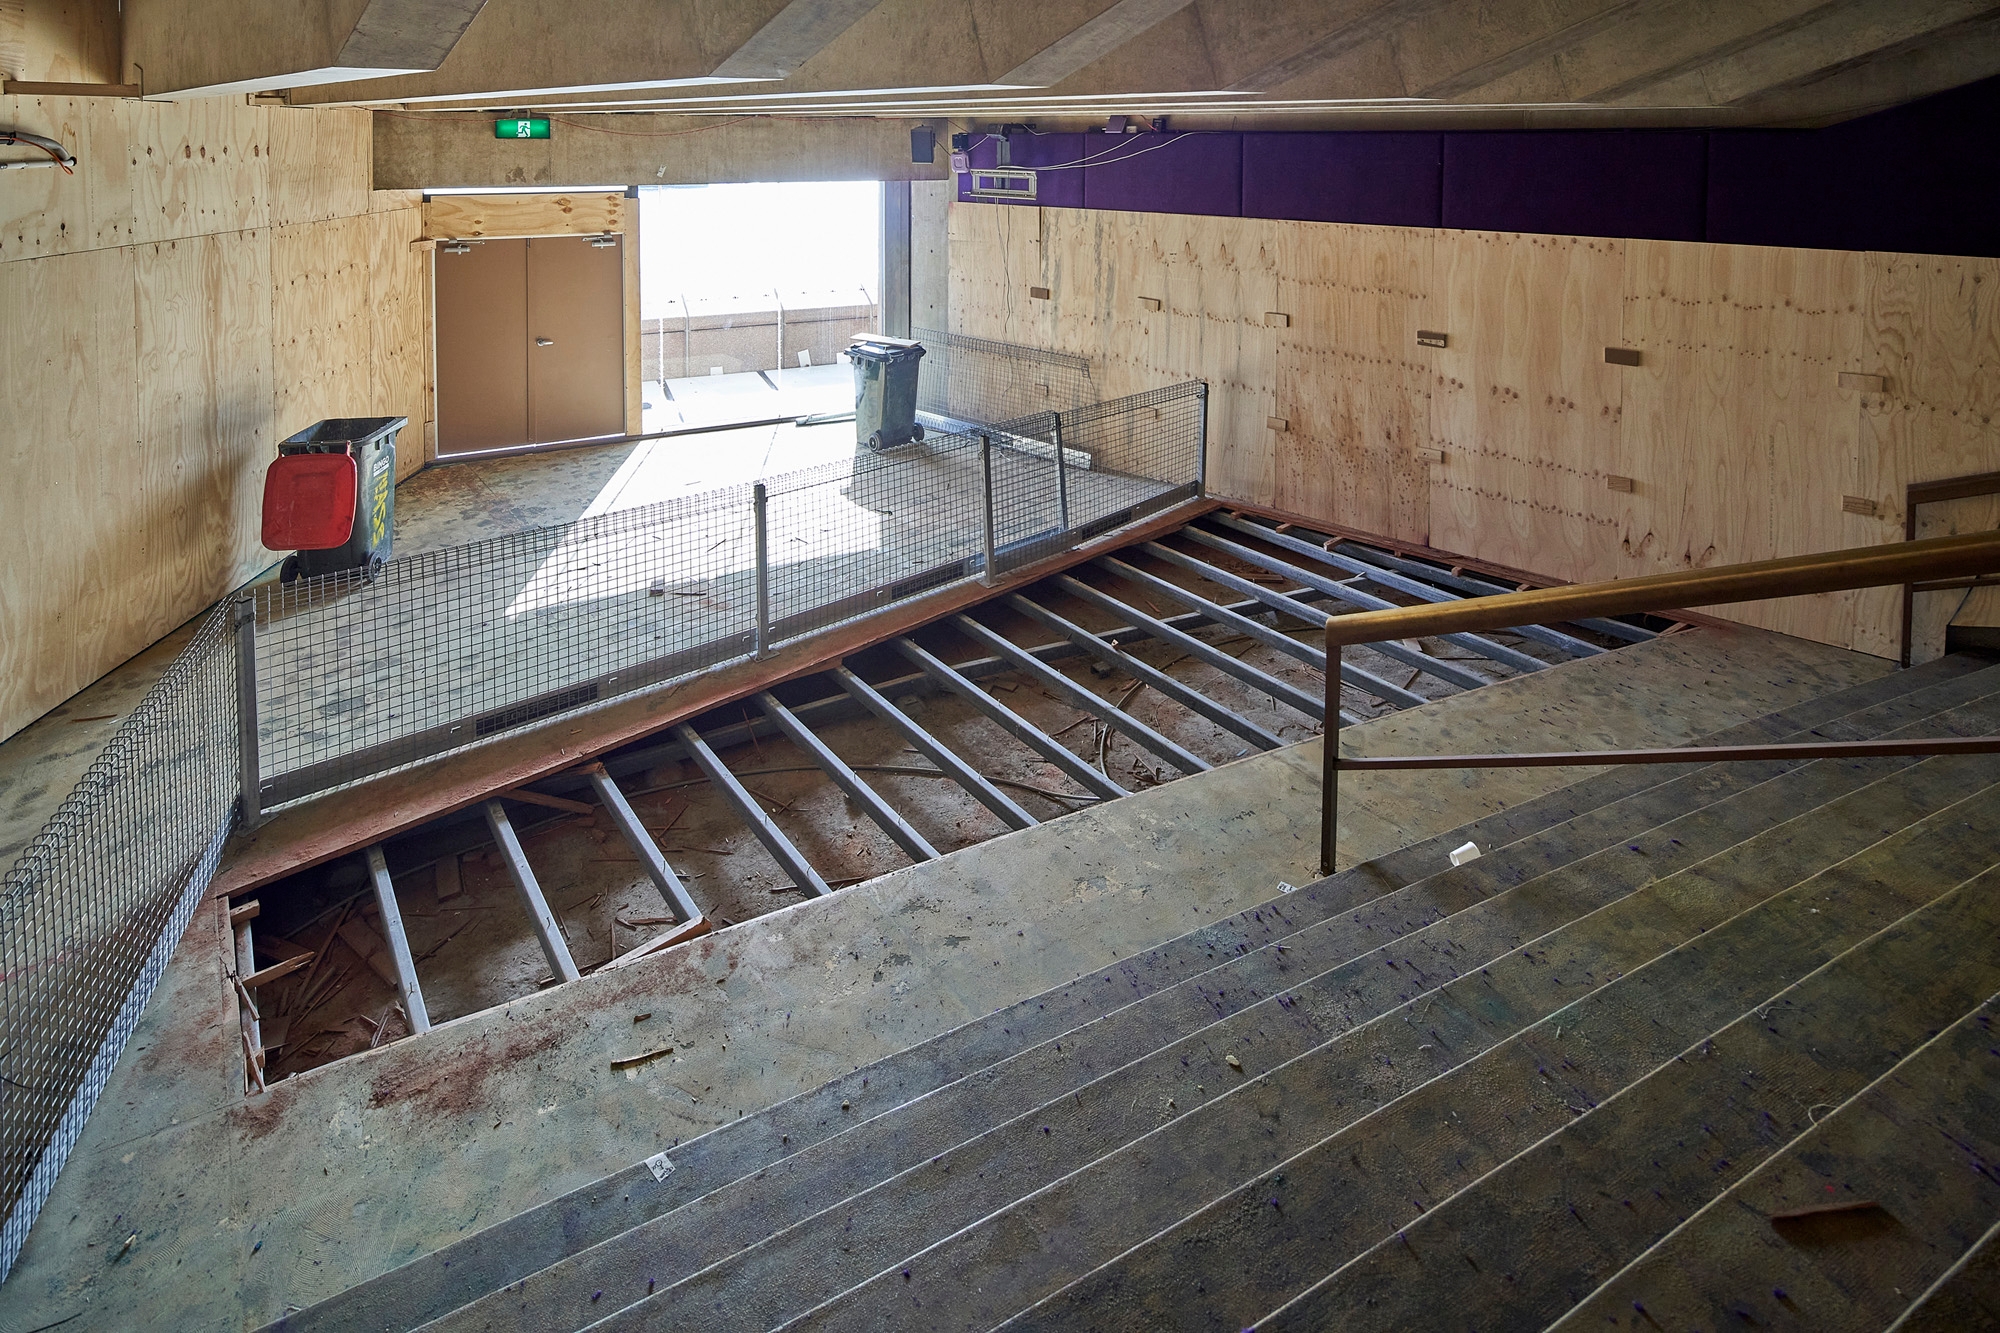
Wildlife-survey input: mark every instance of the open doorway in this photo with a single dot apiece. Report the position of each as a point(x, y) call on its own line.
point(750, 293)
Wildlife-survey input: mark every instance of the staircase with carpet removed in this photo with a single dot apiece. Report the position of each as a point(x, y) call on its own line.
point(1687, 1046)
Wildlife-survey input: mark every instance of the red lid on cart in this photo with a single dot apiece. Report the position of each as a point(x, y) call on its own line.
point(309, 502)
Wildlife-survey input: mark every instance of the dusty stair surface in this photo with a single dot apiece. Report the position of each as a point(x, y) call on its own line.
point(1257, 1121)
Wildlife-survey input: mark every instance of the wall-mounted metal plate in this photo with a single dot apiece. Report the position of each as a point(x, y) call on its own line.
point(1431, 338)
point(1003, 183)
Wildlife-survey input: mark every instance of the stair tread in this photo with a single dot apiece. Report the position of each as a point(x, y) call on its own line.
point(979, 1179)
point(1919, 1141)
point(1553, 1222)
point(1016, 1254)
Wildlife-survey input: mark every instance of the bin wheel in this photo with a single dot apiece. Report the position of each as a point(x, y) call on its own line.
point(917, 433)
point(375, 563)
point(875, 441)
point(288, 572)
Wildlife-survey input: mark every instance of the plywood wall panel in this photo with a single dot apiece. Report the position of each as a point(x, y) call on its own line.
point(1933, 329)
point(44, 211)
point(66, 375)
point(319, 163)
point(1740, 441)
point(399, 362)
point(1352, 385)
point(322, 323)
point(203, 370)
point(1527, 411)
point(200, 167)
point(479, 216)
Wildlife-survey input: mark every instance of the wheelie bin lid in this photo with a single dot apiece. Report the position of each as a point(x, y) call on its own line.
point(881, 347)
point(309, 501)
point(342, 431)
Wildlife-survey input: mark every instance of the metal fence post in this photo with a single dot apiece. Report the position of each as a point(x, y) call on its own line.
point(986, 472)
point(1062, 476)
point(760, 503)
point(1201, 446)
point(1329, 773)
point(249, 772)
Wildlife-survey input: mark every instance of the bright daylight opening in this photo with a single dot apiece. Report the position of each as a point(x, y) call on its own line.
point(749, 293)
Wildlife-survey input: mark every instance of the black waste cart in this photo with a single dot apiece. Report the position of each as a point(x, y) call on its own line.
point(365, 543)
point(885, 390)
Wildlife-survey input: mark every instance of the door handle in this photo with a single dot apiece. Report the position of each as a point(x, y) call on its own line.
point(545, 342)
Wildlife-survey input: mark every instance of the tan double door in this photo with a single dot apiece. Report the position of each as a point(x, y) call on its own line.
point(530, 343)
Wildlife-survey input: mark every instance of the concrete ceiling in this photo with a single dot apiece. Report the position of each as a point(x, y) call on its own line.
point(1207, 63)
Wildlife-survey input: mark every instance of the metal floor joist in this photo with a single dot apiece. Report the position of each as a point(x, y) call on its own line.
point(1185, 652)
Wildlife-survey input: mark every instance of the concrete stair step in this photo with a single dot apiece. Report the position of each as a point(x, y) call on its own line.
point(949, 1193)
point(751, 1208)
point(436, 1284)
point(1968, 1293)
point(1920, 1142)
point(1668, 962)
point(1519, 1244)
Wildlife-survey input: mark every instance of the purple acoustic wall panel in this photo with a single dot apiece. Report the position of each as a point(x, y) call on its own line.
point(1165, 173)
point(1062, 188)
point(1639, 183)
point(1922, 178)
point(1384, 180)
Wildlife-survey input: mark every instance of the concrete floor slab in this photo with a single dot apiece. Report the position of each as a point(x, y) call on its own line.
point(347, 1170)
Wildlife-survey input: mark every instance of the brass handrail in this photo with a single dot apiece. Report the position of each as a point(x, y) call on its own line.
point(1830, 571)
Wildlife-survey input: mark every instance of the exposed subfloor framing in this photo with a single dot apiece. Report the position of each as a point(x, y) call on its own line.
point(1166, 658)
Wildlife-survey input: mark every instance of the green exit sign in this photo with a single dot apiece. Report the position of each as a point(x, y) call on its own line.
point(536, 128)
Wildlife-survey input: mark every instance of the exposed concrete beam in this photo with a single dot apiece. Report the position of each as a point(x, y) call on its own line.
point(196, 48)
point(523, 46)
point(1376, 22)
point(407, 34)
point(1949, 58)
point(1831, 39)
point(418, 152)
point(1216, 64)
point(798, 33)
point(1086, 45)
point(1548, 44)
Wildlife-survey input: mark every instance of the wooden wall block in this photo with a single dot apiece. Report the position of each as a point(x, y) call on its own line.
point(1613, 482)
point(1849, 379)
point(1527, 408)
point(1149, 303)
point(69, 446)
point(320, 167)
point(484, 216)
point(1621, 356)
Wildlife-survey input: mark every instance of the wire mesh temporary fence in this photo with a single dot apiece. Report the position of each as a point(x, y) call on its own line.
point(91, 912)
point(297, 688)
point(439, 651)
point(976, 381)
